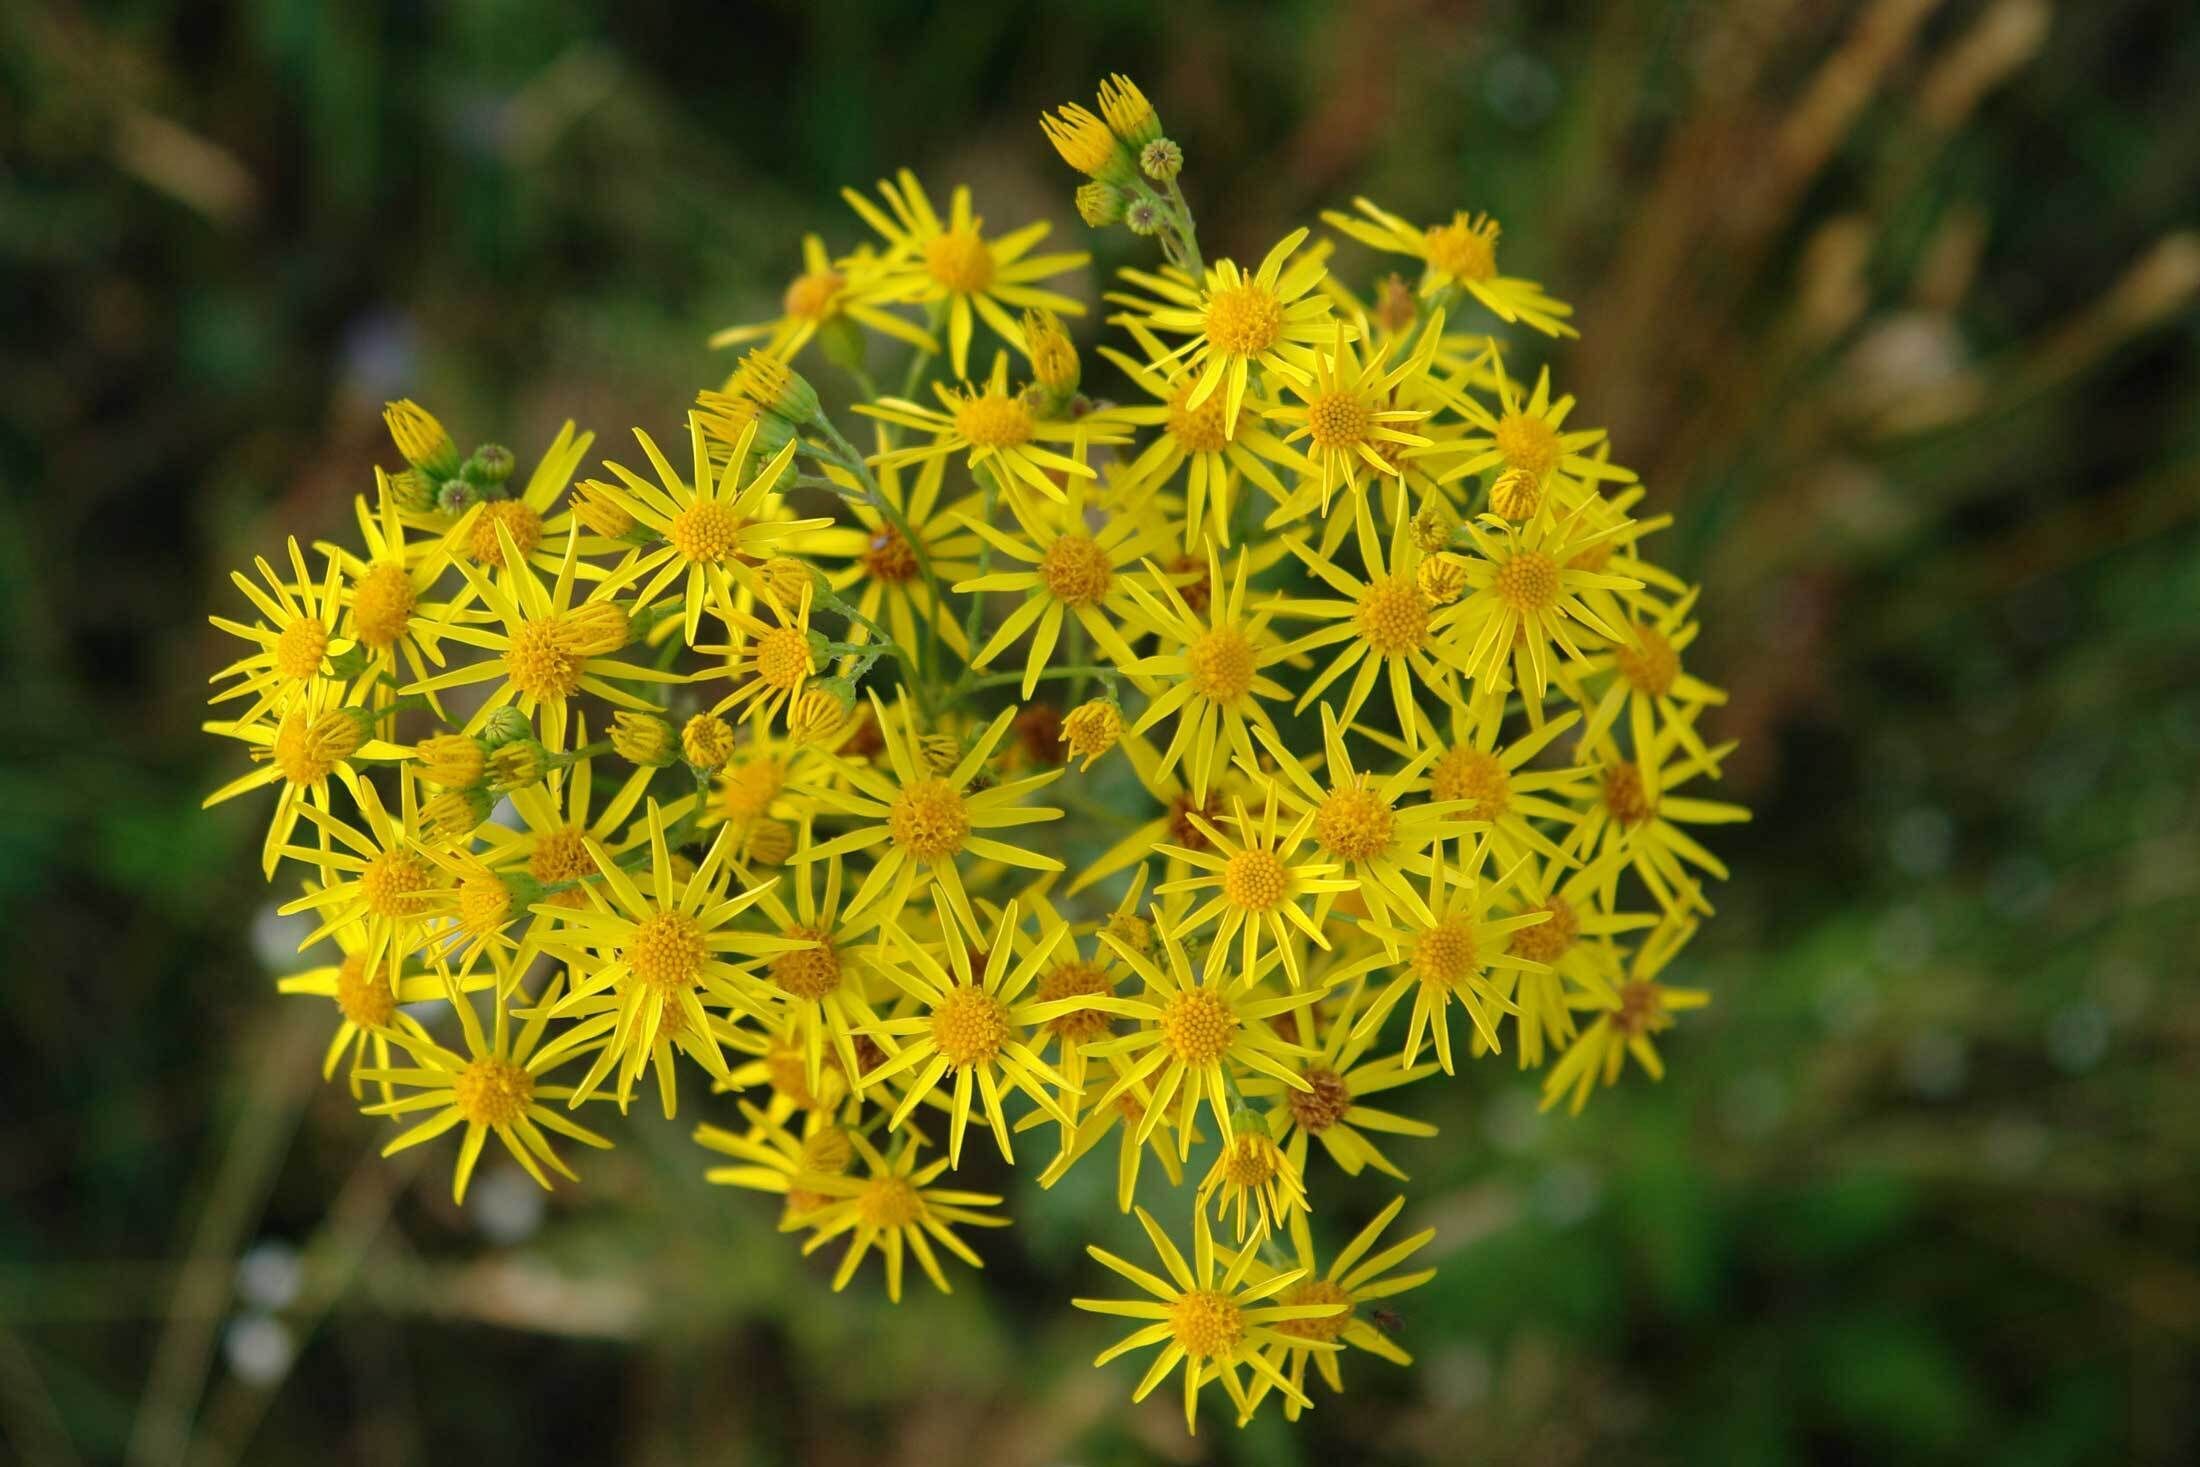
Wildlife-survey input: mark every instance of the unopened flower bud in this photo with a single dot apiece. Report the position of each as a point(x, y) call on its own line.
point(408, 489)
point(596, 629)
point(706, 741)
point(456, 497)
point(1142, 216)
point(821, 712)
point(489, 899)
point(452, 761)
point(1442, 578)
point(1130, 116)
point(1131, 930)
point(1092, 729)
point(1161, 160)
point(490, 466)
point(517, 764)
point(1433, 527)
point(594, 507)
point(1395, 305)
point(454, 815)
point(776, 387)
point(505, 725)
point(1516, 494)
point(1054, 364)
point(767, 843)
point(644, 739)
point(939, 753)
point(421, 440)
point(787, 580)
point(1099, 204)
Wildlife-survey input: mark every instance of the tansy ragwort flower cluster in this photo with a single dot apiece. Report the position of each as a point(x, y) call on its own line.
point(745, 760)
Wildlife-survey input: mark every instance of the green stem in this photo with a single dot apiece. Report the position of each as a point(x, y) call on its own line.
point(1187, 232)
point(1007, 679)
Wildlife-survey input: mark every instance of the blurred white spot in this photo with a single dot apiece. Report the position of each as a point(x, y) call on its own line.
point(258, 1349)
point(275, 939)
point(507, 1206)
point(1567, 1193)
point(269, 1274)
point(1511, 1121)
point(1459, 1376)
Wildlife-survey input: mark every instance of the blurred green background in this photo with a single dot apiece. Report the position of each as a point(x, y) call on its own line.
point(1891, 303)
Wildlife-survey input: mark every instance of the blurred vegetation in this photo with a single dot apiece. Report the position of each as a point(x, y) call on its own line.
point(1891, 302)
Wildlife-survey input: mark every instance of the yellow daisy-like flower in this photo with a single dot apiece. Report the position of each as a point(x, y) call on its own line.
point(388, 886)
point(318, 737)
point(949, 265)
point(367, 1004)
point(884, 570)
point(1078, 569)
point(826, 291)
point(1259, 882)
point(1527, 599)
point(1124, 1115)
point(1451, 945)
point(895, 1208)
point(495, 1087)
point(1649, 682)
point(1173, 825)
point(662, 953)
point(1388, 627)
point(1217, 454)
point(1625, 1021)
point(768, 662)
point(774, 1160)
point(1635, 810)
point(1348, 418)
point(387, 610)
point(1574, 945)
point(715, 529)
point(977, 1024)
point(998, 430)
point(1492, 780)
point(1356, 1277)
point(1530, 436)
point(297, 644)
point(525, 518)
point(927, 820)
point(1215, 679)
point(1338, 1079)
point(825, 988)
point(550, 649)
point(1254, 1173)
point(1235, 320)
point(1211, 1321)
point(1461, 253)
point(1189, 1031)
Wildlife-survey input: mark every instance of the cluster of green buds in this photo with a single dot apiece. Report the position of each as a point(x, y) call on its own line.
point(1131, 167)
point(438, 479)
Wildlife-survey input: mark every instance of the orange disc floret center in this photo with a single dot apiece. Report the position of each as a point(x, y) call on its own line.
point(520, 522)
point(1339, 420)
point(1325, 1327)
point(960, 261)
point(1528, 442)
point(810, 296)
point(1624, 795)
point(889, 558)
point(1641, 1010)
point(1318, 1109)
point(1244, 319)
point(382, 604)
point(1445, 954)
point(1355, 823)
point(484, 904)
point(1465, 249)
point(1528, 582)
point(364, 997)
point(889, 1202)
point(1546, 942)
point(705, 532)
point(1650, 665)
point(782, 657)
point(807, 972)
point(970, 1025)
point(1222, 664)
point(929, 819)
point(991, 420)
point(746, 790)
point(1200, 429)
point(1197, 1026)
point(1207, 1323)
point(540, 663)
point(1250, 1160)
point(391, 884)
point(1255, 880)
point(666, 951)
point(307, 750)
point(1472, 775)
point(562, 855)
point(492, 1091)
point(298, 651)
point(1076, 570)
point(1075, 980)
point(1393, 616)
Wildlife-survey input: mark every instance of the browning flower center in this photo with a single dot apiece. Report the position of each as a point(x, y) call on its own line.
point(562, 855)
point(1472, 775)
point(1318, 1109)
point(1546, 942)
point(1624, 796)
point(1076, 570)
point(929, 820)
point(807, 972)
point(889, 558)
point(1075, 980)
point(1651, 664)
